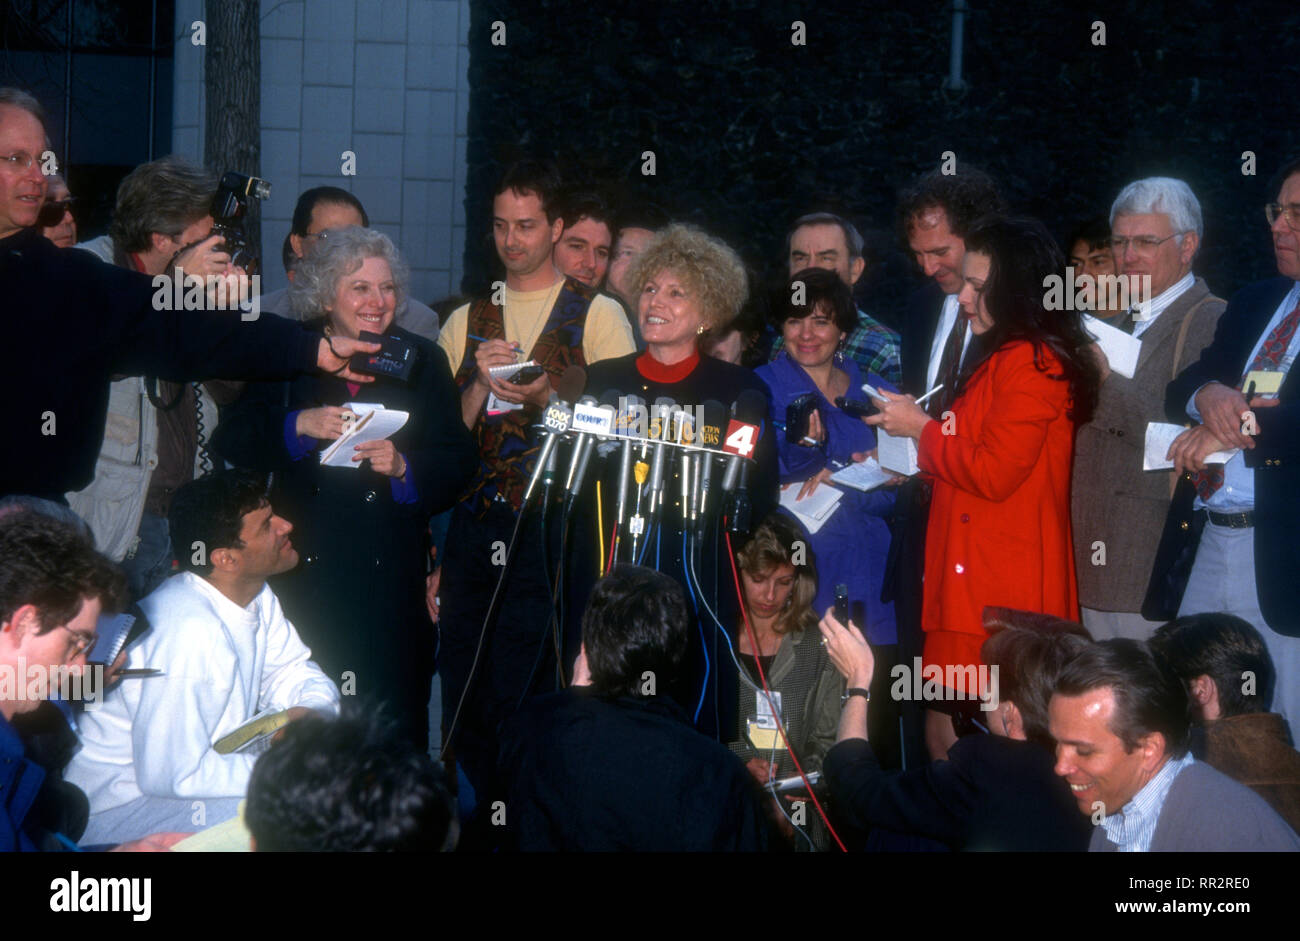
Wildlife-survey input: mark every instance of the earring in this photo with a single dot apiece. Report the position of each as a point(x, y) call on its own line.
point(700, 329)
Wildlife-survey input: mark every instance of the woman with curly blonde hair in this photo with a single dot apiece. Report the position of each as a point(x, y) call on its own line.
point(686, 284)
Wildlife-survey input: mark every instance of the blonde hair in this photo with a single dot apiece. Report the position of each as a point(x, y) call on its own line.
point(707, 266)
point(772, 545)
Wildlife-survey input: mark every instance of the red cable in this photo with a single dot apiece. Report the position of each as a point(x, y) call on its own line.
point(613, 541)
point(753, 642)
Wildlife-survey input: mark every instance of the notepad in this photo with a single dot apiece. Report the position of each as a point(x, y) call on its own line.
point(864, 476)
point(896, 454)
point(254, 736)
point(813, 510)
point(111, 633)
point(496, 406)
point(374, 424)
point(1161, 435)
point(1121, 349)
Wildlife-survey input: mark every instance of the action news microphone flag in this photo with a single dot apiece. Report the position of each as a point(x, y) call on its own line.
point(713, 421)
point(743, 434)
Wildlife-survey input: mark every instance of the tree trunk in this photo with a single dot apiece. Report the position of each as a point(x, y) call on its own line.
point(233, 86)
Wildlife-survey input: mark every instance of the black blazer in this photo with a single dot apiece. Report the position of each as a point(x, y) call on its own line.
point(916, 335)
point(590, 773)
point(357, 596)
point(993, 793)
point(1276, 455)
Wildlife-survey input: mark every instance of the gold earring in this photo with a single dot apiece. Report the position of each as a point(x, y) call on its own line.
point(700, 329)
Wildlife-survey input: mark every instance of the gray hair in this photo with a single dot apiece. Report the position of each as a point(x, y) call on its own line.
point(17, 98)
point(339, 254)
point(852, 238)
point(1163, 194)
point(23, 503)
point(166, 196)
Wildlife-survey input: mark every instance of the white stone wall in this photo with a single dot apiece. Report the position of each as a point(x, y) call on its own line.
point(385, 79)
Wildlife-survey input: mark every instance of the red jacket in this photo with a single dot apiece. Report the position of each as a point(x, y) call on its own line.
point(999, 528)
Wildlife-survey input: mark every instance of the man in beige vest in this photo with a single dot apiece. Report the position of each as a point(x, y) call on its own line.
point(1119, 509)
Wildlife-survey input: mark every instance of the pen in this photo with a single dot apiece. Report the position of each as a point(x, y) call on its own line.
point(140, 671)
point(875, 393)
point(921, 400)
point(1250, 390)
point(514, 346)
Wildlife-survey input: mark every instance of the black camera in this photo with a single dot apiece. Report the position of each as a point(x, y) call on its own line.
point(229, 209)
point(797, 416)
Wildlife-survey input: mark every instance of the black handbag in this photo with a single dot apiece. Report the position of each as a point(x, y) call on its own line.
point(1175, 554)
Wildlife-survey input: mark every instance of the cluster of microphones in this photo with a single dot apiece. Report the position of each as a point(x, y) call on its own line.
point(712, 445)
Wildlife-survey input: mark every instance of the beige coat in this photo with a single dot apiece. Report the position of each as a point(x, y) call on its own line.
point(1113, 500)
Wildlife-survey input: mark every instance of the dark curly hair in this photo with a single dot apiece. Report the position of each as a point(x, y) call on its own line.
point(349, 784)
point(964, 196)
point(1022, 255)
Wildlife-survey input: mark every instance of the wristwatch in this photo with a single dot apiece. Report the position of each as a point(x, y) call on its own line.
point(855, 691)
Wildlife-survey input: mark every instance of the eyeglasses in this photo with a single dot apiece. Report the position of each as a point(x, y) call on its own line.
point(1291, 211)
point(1142, 244)
point(80, 640)
point(17, 162)
point(52, 212)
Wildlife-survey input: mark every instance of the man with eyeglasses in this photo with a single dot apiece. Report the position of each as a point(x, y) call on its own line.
point(53, 586)
point(1242, 395)
point(1119, 509)
point(319, 210)
point(75, 322)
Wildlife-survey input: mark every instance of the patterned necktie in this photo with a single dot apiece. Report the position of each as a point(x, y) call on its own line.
point(949, 367)
point(1269, 357)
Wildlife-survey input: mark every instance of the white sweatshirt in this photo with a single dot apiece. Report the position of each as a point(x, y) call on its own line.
point(222, 664)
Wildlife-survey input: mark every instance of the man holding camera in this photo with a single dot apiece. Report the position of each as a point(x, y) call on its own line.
point(156, 433)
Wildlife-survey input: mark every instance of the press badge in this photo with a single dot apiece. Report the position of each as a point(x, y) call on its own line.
point(761, 729)
point(1267, 381)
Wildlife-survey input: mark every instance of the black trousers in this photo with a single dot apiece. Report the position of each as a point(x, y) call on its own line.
point(903, 585)
point(518, 655)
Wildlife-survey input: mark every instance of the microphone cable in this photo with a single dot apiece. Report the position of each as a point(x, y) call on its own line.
point(493, 607)
point(731, 557)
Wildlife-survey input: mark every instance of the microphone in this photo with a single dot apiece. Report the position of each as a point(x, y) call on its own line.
point(686, 435)
point(744, 431)
point(585, 417)
point(556, 418)
point(571, 383)
point(603, 426)
point(713, 419)
point(625, 429)
point(662, 413)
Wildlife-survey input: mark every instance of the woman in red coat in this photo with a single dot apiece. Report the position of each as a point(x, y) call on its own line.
point(999, 461)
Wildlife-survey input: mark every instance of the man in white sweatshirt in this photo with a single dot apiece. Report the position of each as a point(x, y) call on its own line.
point(226, 653)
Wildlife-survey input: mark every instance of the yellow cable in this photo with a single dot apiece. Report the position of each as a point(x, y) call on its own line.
point(600, 531)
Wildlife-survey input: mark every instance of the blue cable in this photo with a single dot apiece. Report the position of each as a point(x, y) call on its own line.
point(658, 541)
point(704, 644)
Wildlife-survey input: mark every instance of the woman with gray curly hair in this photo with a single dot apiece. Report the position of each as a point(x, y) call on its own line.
point(357, 598)
point(686, 284)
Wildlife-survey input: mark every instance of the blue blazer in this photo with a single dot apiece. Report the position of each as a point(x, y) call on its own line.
point(1276, 455)
point(852, 546)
